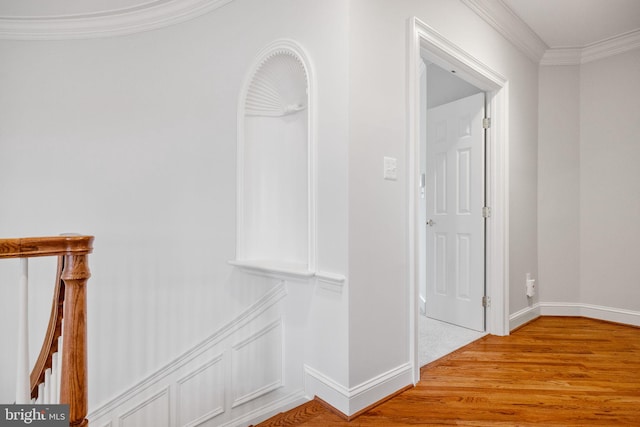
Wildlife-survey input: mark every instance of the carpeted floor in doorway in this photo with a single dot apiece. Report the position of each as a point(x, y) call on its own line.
point(438, 339)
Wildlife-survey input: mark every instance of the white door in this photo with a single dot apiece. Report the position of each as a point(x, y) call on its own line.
point(455, 224)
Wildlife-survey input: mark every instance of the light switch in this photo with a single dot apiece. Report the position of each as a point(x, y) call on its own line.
point(390, 168)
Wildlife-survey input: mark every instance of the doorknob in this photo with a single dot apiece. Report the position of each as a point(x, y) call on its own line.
point(430, 223)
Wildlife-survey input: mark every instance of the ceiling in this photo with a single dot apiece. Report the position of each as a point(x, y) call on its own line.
point(577, 23)
point(69, 8)
point(558, 23)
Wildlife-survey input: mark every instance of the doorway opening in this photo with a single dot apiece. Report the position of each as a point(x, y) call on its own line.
point(426, 44)
point(451, 279)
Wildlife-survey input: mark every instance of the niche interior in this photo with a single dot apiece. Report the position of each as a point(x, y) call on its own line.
point(276, 188)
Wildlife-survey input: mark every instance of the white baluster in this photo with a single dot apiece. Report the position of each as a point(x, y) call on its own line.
point(60, 347)
point(40, 400)
point(23, 394)
point(47, 387)
point(55, 376)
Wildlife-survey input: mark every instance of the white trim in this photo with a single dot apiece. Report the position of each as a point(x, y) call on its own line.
point(497, 234)
point(330, 281)
point(613, 46)
point(523, 316)
point(352, 400)
point(562, 56)
point(263, 413)
point(510, 25)
point(380, 387)
point(147, 17)
point(593, 52)
point(425, 41)
point(281, 271)
point(610, 314)
point(517, 32)
point(332, 392)
point(274, 270)
point(572, 309)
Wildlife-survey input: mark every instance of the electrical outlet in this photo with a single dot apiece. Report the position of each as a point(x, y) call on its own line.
point(530, 286)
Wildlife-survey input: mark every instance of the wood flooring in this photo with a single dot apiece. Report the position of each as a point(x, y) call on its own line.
point(554, 371)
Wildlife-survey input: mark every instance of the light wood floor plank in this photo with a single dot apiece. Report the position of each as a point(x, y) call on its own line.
point(554, 371)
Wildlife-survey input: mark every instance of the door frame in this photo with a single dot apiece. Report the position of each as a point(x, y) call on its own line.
point(424, 41)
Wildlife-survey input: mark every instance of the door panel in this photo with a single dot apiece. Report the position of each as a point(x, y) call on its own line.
point(455, 226)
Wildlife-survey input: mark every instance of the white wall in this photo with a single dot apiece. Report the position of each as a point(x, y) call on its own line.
point(133, 139)
point(589, 189)
point(377, 210)
point(610, 182)
point(148, 121)
point(559, 184)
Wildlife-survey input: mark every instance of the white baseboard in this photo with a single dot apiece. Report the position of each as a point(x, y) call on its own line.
point(523, 316)
point(264, 413)
point(317, 384)
point(352, 400)
point(610, 314)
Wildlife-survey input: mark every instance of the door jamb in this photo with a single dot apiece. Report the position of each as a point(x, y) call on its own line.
point(425, 41)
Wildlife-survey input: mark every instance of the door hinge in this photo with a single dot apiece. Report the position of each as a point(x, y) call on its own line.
point(486, 301)
point(486, 212)
point(486, 123)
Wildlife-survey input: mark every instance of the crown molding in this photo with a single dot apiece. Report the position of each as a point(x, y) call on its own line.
point(612, 46)
point(119, 22)
point(562, 56)
point(593, 52)
point(507, 23)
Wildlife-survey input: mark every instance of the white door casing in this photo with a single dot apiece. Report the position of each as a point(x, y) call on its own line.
point(425, 42)
point(454, 200)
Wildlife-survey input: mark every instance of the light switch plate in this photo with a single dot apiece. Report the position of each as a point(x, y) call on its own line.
point(390, 168)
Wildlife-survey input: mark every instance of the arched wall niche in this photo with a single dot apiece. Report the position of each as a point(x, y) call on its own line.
point(276, 164)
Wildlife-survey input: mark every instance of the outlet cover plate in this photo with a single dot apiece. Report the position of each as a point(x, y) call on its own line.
point(390, 168)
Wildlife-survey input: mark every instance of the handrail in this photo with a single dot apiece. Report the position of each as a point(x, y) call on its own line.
point(28, 247)
point(70, 297)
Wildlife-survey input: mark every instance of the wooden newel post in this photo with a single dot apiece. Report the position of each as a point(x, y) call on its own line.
point(73, 387)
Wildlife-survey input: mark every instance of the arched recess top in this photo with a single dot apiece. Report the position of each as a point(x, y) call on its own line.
point(279, 81)
point(278, 86)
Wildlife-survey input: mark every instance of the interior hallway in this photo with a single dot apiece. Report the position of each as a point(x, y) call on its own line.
point(554, 371)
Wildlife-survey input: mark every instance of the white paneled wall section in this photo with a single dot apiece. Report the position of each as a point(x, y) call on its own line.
point(236, 376)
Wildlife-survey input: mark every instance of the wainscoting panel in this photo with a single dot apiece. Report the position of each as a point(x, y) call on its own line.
point(251, 380)
point(236, 377)
point(152, 412)
point(200, 395)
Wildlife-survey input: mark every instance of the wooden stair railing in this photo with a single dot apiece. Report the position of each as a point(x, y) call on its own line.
point(68, 313)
